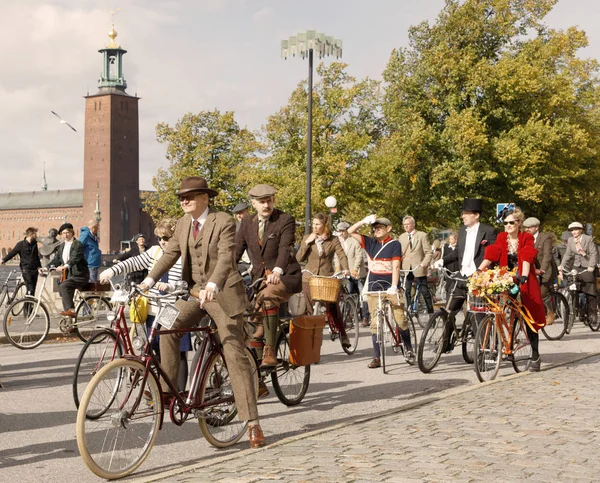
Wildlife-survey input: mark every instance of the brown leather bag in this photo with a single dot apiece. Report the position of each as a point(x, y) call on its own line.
point(63, 274)
point(306, 337)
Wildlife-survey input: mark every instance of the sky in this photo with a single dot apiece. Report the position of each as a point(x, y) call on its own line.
point(183, 56)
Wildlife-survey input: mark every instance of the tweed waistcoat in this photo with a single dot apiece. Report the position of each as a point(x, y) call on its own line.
point(195, 266)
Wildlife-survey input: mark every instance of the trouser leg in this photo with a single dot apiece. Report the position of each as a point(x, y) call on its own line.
point(334, 310)
point(183, 372)
point(534, 340)
point(422, 282)
point(30, 278)
point(67, 291)
point(408, 290)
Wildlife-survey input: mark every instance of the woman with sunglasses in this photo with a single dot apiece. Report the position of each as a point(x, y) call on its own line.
point(145, 261)
point(515, 249)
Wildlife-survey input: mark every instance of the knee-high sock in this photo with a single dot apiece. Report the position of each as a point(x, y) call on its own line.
point(271, 323)
point(376, 351)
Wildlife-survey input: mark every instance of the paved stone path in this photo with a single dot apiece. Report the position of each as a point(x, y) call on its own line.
point(533, 427)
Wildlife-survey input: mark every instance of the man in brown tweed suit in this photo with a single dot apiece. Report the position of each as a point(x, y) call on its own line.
point(205, 239)
point(269, 238)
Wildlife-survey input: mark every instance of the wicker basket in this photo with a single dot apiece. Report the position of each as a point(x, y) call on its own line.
point(324, 289)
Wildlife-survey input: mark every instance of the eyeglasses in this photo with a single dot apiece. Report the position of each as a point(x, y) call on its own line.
point(164, 238)
point(191, 197)
point(509, 223)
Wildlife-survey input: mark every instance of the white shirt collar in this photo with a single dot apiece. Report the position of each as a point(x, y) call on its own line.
point(202, 218)
point(475, 227)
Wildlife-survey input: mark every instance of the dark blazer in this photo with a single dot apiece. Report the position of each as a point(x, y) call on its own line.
point(545, 260)
point(77, 264)
point(277, 249)
point(486, 236)
point(216, 243)
point(446, 251)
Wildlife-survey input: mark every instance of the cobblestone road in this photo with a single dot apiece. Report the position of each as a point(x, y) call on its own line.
point(533, 427)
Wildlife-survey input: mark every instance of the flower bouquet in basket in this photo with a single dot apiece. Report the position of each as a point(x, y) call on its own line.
point(486, 286)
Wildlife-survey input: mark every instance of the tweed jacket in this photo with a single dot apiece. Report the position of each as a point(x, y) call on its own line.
point(215, 244)
point(356, 257)
point(419, 253)
point(276, 250)
point(573, 259)
point(486, 236)
point(545, 260)
point(321, 264)
point(77, 264)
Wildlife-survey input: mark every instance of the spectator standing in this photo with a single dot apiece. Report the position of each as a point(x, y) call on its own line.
point(29, 261)
point(88, 236)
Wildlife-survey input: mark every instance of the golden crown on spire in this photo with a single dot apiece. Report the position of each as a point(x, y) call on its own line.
point(112, 33)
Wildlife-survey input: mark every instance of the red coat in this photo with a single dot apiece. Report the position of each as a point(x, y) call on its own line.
point(531, 295)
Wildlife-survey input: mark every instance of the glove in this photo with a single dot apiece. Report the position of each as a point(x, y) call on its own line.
point(393, 290)
point(590, 269)
point(106, 275)
point(438, 263)
point(368, 220)
point(521, 280)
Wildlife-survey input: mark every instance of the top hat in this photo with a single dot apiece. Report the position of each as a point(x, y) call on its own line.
point(195, 184)
point(472, 204)
point(262, 191)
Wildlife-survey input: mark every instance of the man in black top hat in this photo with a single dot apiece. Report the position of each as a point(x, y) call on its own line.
point(473, 238)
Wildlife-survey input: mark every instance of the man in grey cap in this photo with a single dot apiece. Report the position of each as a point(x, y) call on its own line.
point(240, 211)
point(582, 255)
point(384, 256)
point(545, 267)
point(269, 239)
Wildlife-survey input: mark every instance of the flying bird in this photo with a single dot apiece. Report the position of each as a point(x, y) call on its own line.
point(62, 121)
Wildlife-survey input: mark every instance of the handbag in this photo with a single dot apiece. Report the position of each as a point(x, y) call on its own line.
point(138, 310)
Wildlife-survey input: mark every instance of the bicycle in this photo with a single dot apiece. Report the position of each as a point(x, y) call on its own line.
point(108, 344)
point(388, 331)
point(501, 335)
point(441, 334)
point(560, 307)
point(418, 307)
point(349, 308)
point(27, 320)
point(123, 406)
point(13, 288)
point(578, 302)
point(290, 382)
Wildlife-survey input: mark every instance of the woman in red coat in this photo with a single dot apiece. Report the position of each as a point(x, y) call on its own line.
point(514, 248)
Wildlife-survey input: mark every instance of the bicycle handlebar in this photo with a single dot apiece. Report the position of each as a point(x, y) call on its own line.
point(455, 275)
point(339, 275)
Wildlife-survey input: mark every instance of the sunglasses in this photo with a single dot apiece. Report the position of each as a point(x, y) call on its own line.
point(509, 223)
point(191, 197)
point(164, 238)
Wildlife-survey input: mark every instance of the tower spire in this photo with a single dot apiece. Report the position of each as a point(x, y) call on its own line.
point(44, 183)
point(111, 78)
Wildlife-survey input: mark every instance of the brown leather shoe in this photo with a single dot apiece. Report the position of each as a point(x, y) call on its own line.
point(374, 364)
point(257, 438)
point(68, 313)
point(259, 332)
point(263, 391)
point(269, 359)
point(365, 322)
point(550, 316)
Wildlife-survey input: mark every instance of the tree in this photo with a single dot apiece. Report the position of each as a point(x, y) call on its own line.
point(207, 144)
point(489, 102)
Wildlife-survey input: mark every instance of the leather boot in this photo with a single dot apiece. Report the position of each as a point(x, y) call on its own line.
point(269, 359)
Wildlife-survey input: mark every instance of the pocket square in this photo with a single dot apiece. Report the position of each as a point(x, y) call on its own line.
point(271, 236)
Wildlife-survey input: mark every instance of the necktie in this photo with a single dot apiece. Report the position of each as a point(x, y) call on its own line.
point(196, 224)
point(410, 240)
point(261, 229)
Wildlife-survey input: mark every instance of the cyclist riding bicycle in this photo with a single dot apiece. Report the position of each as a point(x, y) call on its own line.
point(385, 255)
point(582, 254)
point(268, 237)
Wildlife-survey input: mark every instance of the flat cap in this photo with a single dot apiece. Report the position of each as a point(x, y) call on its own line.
point(575, 225)
point(343, 226)
point(531, 221)
point(240, 207)
point(382, 221)
point(262, 191)
point(566, 235)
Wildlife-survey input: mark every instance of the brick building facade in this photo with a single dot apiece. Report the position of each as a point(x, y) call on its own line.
point(111, 171)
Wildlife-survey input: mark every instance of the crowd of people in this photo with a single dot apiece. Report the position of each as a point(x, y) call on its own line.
point(205, 247)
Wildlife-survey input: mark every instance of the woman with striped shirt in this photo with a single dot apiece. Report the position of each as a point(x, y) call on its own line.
point(145, 261)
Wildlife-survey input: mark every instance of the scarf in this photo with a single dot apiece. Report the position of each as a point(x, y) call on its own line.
point(319, 242)
point(578, 246)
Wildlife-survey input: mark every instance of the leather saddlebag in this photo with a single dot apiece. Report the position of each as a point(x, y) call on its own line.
point(306, 337)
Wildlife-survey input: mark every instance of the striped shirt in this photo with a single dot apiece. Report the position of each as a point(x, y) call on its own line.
point(145, 261)
point(381, 255)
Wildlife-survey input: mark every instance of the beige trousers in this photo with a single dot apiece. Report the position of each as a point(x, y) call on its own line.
point(397, 308)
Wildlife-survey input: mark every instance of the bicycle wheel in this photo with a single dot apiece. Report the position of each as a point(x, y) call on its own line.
point(290, 382)
point(116, 443)
point(219, 422)
point(432, 340)
point(91, 316)
point(468, 339)
point(19, 293)
point(26, 323)
point(421, 313)
point(488, 348)
point(557, 329)
point(350, 318)
point(101, 349)
point(520, 347)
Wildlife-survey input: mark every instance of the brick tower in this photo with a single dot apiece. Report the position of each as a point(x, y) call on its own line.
point(111, 153)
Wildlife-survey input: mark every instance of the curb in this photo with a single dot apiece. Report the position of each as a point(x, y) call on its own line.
point(357, 420)
point(52, 336)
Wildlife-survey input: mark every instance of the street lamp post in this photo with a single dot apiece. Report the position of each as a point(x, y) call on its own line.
point(304, 44)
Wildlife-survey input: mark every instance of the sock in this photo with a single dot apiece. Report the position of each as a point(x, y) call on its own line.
point(271, 324)
point(376, 351)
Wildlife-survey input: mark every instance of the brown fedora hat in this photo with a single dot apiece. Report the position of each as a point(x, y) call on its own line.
point(195, 183)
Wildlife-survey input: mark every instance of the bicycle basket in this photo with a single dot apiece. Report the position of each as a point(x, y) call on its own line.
point(481, 304)
point(324, 288)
